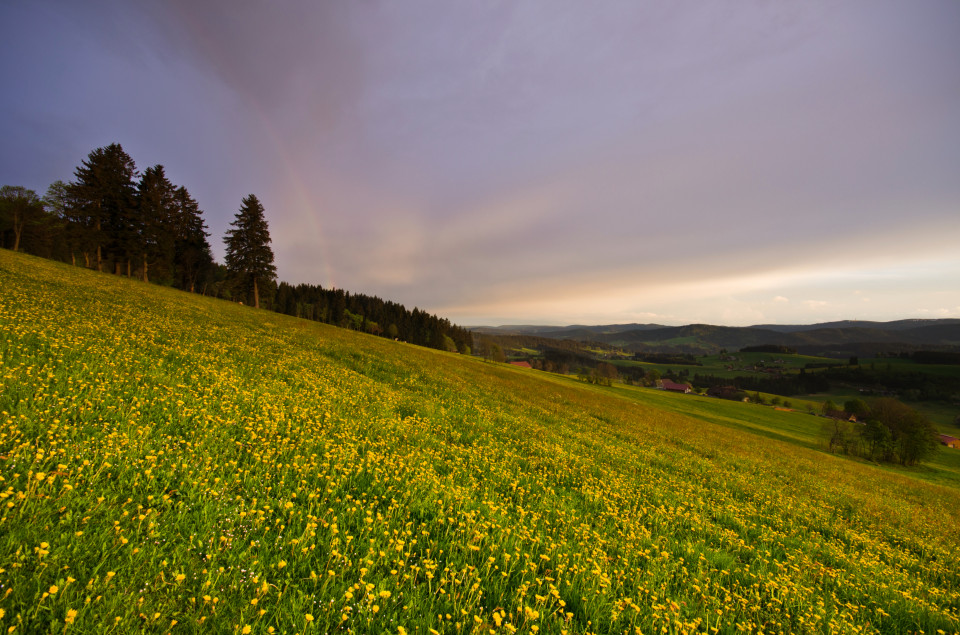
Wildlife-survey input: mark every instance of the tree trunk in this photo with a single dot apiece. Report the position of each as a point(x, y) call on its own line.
point(17, 232)
point(86, 259)
point(128, 267)
point(116, 267)
point(73, 258)
point(99, 255)
point(256, 295)
point(145, 277)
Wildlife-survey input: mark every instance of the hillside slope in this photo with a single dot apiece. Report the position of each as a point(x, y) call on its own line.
point(170, 462)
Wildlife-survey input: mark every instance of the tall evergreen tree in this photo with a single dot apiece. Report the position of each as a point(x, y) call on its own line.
point(249, 257)
point(194, 261)
point(158, 217)
point(105, 205)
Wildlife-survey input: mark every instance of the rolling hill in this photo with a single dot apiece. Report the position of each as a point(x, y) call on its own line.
point(173, 463)
point(827, 339)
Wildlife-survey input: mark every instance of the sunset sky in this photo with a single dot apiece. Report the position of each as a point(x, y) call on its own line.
point(532, 162)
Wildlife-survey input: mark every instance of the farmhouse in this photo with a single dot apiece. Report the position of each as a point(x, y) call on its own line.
point(950, 442)
point(666, 384)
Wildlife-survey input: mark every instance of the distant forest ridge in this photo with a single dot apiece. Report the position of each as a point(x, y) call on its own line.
point(832, 339)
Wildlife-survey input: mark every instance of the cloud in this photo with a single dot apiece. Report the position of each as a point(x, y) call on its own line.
point(535, 159)
point(942, 312)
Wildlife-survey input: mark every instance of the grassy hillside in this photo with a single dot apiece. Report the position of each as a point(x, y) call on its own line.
point(174, 463)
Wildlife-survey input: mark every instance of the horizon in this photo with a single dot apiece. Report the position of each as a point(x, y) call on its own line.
point(538, 163)
point(755, 325)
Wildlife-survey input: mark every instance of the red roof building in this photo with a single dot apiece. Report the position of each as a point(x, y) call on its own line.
point(666, 384)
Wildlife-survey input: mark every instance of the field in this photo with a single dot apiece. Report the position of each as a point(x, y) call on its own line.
point(171, 463)
point(942, 414)
point(797, 427)
point(743, 364)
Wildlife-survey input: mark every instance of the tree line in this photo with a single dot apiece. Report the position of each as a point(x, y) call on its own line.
point(886, 430)
point(113, 218)
point(371, 314)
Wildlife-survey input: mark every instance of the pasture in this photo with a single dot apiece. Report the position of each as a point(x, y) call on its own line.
point(172, 463)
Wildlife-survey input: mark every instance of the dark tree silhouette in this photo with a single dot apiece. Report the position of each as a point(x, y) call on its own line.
point(249, 257)
point(20, 208)
point(158, 215)
point(193, 260)
point(911, 435)
point(104, 196)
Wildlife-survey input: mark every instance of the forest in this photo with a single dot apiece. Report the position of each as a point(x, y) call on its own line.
point(113, 218)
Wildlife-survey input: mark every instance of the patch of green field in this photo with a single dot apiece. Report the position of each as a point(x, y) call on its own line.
point(745, 364)
point(172, 463)
point(798, 427)
point(771, 359)
point(943, 415)
point(522, 351)
point(908, 365)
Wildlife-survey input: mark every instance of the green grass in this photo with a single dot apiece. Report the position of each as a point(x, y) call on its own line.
point(908, 365)
point(798, 427)
point(176, 463)
point(742, 366)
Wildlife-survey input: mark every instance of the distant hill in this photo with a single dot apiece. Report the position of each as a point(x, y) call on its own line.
point(896, 325)
point(562, 332)
point(837, 339)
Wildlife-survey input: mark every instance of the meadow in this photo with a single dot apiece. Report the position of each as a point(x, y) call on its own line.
point(173, 463)
point(740, 364)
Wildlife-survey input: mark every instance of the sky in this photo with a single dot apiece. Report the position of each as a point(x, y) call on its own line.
point(531, 162)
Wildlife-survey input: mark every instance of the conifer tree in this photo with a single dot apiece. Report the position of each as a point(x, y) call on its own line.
point(158, 215)
point(193, 258)
point(249, 256)
point(104, 195)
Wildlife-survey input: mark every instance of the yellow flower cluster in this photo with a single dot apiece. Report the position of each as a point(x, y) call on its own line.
point(170, 460)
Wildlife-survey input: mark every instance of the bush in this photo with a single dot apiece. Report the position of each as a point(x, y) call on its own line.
point(892, 432)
